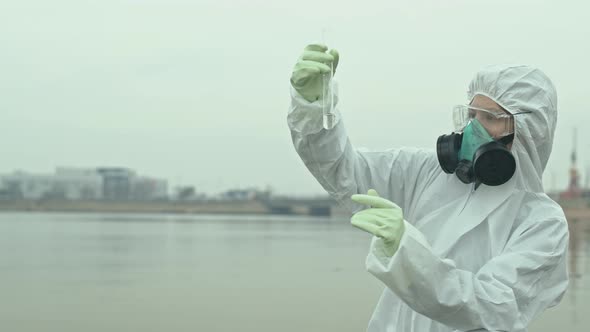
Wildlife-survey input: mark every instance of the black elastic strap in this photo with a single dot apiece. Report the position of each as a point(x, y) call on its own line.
point(506, 139)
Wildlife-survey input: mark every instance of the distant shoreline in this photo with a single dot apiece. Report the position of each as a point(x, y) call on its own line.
point(179, 207)
point(252, 207)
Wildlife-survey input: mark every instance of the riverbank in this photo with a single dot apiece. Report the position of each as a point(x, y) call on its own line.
point(576, 212)
point(246, 207)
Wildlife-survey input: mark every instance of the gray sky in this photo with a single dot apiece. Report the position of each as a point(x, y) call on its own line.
point(197, 91)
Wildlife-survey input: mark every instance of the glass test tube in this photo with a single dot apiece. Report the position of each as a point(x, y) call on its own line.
point(328, 99)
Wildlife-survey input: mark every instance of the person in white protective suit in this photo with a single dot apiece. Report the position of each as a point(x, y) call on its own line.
point(466, 239)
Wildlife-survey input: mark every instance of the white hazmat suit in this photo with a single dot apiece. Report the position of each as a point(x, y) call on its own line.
point(490, 259)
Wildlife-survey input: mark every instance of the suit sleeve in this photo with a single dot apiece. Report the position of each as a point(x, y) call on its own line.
point(504, 295)
point(342, 170)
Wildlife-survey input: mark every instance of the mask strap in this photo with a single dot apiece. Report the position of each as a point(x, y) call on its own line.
point(507, 139)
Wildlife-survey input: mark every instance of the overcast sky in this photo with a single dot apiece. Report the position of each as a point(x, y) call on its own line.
point(197, 91)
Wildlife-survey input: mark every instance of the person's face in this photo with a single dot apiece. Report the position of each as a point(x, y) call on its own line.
point(495, 127)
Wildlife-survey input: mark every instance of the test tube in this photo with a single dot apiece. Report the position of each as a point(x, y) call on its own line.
point(328, 93)
point(328, 99)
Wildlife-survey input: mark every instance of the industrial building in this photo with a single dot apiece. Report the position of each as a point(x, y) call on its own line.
point(114, 183)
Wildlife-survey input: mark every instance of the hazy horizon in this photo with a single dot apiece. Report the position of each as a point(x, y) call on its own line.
point(198, 93)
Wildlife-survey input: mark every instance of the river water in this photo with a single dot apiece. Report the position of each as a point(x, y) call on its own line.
point(124, 272)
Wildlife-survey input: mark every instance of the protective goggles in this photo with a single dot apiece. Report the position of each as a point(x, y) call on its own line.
point(497, 124)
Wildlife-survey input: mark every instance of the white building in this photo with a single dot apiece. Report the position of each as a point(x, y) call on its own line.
point(79, 183)
point(145, 188)
point(83, 184)
point(65, 183)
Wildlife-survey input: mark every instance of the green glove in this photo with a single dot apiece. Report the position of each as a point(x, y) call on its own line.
point(384, 219)
point(309, 70)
